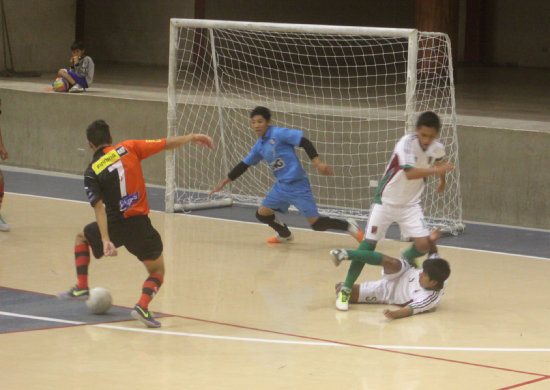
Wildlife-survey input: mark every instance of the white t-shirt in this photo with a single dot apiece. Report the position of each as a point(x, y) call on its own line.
point(395, 189)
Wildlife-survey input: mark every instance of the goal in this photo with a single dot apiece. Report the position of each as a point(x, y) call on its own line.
point(353, 91)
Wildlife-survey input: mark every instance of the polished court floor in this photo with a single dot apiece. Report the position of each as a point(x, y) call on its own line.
point(244, 315)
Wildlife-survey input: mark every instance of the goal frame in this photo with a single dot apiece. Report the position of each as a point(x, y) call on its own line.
point(412, 35)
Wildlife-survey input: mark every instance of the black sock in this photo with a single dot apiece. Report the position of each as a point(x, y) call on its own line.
point(325, 223)
point(275, 224)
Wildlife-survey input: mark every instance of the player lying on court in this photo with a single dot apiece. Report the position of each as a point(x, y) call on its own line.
point(415, 290)
point(276, 146)
point(116, 190)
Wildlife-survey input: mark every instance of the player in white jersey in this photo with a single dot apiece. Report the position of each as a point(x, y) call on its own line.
point(415, 157)
point(415, 290)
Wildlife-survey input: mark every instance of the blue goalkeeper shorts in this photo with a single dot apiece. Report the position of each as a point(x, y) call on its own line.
point(297, 193)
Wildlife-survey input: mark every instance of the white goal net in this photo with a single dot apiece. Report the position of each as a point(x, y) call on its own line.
point(353, 91)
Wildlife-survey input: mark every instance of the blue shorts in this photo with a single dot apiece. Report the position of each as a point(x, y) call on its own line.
point(297, 193)
point(79, 80)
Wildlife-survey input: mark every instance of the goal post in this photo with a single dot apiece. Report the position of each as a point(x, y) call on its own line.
point(353, 91)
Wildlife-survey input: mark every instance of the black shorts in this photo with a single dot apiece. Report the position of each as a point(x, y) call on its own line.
point(136, 233)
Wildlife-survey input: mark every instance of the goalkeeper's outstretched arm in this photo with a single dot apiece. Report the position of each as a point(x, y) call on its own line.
point(323, 168)
point(237, 171)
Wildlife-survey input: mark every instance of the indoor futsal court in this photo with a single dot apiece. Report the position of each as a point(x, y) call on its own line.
point(239, 314)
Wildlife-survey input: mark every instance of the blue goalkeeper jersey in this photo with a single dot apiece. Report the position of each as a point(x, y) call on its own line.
point(276, 147)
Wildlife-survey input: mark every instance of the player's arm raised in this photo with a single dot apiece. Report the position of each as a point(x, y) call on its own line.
point(323, 168)
point(179, 141)
point(237, 171)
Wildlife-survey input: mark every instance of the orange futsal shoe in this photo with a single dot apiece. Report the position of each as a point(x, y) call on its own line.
point(280, 240)
point(354, 231)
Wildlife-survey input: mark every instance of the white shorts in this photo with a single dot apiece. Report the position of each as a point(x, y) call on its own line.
point(410, 220)
point(382, 291)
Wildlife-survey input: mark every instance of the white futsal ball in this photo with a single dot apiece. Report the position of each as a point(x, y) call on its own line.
point(100, 300)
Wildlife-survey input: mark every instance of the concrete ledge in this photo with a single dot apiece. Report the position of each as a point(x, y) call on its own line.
point(47, 130)
point(503, 162)
point(504, 177)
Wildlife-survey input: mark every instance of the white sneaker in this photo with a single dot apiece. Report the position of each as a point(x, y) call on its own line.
point(353, 230)
point(280, 240)
point(4, 227)
point(342, 302)
point(434, 255)
point(338, 255)
point(77, 88)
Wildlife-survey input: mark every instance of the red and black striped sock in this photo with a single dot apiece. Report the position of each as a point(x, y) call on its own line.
point(1, 193)
point(82, 261)
point(150, 289)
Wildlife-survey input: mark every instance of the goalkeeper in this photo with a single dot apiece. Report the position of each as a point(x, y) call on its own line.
point(276, 146)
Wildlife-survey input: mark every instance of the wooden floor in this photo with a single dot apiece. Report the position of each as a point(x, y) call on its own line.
point(244, 315)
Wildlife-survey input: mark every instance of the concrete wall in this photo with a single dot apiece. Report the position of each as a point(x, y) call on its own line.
point(40, 33)
point(502, 185)
point(136, 31)
point(373, 13)
point(50, 137)
point(504, 178)
point(132, 31)
point(518, 33)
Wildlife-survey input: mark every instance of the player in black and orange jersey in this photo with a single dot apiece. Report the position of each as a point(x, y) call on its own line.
point(116, 190)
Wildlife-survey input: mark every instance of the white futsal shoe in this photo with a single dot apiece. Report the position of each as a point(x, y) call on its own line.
point(338, 255)
point(4, 227)
point(342, 301)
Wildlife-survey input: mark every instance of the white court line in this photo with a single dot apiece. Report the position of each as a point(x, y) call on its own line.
point(273, 341)
point(493, 252)
point(385, 239)
point(297, 228)
point(48, 197)
point(173, 333)
point(48, 319)
point(467, 349)
point(231, 338)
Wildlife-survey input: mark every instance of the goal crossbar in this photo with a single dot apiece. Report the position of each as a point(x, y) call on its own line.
point(295, 28)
